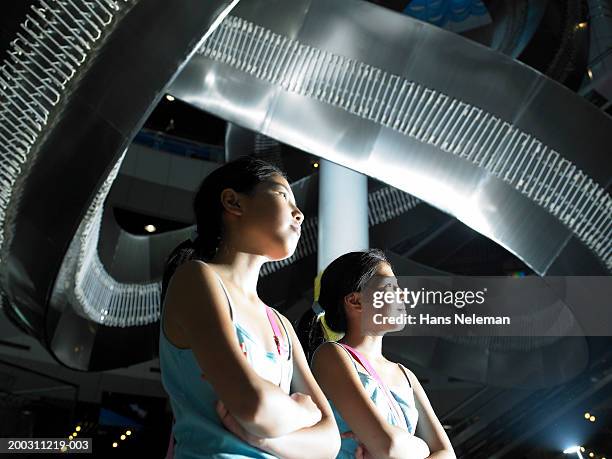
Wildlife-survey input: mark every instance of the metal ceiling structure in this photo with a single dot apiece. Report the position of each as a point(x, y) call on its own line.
point(74, 83)
point(510, 153)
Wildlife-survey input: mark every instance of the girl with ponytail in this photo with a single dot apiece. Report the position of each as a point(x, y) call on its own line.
point(236, 375)
point(376, 402)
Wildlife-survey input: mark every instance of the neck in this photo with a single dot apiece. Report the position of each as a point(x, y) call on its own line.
point(241, 268)
point(370, 346)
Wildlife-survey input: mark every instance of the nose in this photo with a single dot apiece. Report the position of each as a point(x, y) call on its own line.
point(298, 215)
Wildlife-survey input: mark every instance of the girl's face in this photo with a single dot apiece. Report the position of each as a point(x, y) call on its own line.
point(271, 220)
point(382, 310)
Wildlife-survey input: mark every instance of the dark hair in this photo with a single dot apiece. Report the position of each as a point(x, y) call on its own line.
point(241, 174)
point(346, 274)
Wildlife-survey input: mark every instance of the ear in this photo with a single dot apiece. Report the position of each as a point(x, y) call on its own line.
point(230, 200)
point(353, 301)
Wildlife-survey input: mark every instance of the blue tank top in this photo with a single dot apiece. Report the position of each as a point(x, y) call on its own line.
point(405, 400)
point(197, 429)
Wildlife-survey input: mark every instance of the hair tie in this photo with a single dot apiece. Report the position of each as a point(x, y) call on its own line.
point(328, 333)
point(316, 307)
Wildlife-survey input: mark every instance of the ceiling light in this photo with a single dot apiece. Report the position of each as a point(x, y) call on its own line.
point(150, 228)
point(169, 98)
point(573, 450)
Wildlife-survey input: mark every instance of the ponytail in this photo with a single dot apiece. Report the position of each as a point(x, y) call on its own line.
point(310, 333)
point(314, 330)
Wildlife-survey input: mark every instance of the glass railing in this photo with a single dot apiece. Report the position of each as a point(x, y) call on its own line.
point(180, 146)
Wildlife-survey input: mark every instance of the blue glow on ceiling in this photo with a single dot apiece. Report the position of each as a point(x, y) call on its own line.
point(455, 15)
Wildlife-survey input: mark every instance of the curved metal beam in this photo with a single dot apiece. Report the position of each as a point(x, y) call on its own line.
point(504, 149)
point(76, 89)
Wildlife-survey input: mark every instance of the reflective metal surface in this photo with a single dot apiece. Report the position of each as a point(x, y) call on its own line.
point(476, 134)
point(78, 84)
point(501, 147)
point(383, 204)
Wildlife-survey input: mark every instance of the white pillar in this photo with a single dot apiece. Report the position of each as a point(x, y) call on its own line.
point(343, 212)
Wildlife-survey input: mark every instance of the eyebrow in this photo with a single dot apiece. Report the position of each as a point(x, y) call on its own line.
point(282, 186)
point(285, 188)
point(384, 280)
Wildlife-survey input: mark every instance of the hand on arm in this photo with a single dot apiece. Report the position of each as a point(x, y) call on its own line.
point(322, 439)
point(202, 312)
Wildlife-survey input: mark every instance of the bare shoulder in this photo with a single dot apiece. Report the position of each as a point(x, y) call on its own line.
point(193, 269)
point(194, 287)
point(330, 354)
point(327, 354)
point(192, 274)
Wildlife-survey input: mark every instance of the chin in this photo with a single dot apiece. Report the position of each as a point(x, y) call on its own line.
point(282, 253)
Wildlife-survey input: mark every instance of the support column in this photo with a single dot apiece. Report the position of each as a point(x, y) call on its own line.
point(343, 212)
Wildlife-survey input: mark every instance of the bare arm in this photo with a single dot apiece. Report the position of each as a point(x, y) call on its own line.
point(344, 388)
point(202, 312)
point(429, 427)
point(321, 440)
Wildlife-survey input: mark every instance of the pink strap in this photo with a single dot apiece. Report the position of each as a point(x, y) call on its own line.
point(275, 329)
point(370, 369)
